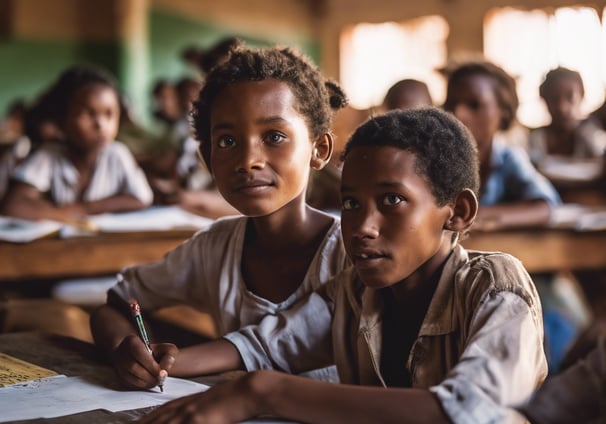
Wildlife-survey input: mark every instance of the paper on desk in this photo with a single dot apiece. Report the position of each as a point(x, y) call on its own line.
point(18, 230)
point(13, 370)
point(61, 395)
point(155, 218)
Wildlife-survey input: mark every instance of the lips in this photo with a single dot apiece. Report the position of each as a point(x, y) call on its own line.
point(252, 185)
point(368, 256)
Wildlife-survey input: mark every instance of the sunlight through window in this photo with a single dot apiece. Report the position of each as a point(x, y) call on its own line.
point(529, 43)
point(375, 56)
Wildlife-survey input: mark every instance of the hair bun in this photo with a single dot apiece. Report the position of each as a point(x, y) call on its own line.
point(337, 97)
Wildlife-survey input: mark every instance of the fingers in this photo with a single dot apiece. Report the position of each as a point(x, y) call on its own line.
point(135, 366)
point(165, 354)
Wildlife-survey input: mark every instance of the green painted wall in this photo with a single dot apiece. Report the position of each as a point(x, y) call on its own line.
point(29, 66)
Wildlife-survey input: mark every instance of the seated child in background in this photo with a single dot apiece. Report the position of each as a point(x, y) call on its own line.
point(563, 92)
point(263, 120)
point(420, 328)
point(88, 172)
point(512, 192)
point(569, 142)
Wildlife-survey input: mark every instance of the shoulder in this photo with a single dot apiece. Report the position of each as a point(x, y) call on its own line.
point(494, 272)
point(223, 228)
point(118, 150)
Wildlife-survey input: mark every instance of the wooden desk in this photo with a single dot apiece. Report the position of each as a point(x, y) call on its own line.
point(543, 250)
point(540, 250)
point(84, 256)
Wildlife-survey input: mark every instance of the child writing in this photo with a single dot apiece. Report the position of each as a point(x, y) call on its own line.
point(512, 192)
point(87, 172)
point(421, 330)
point(263, 119)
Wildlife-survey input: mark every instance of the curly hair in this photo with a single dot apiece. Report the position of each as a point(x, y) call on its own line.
point(504, 88)
point(446, 154)
point(317, 97)
point(557, 74)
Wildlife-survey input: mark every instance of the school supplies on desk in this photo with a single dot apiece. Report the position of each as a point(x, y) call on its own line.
point(14, 371)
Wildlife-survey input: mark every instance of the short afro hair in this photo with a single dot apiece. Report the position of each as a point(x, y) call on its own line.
point(445, 151)
point(557, 74)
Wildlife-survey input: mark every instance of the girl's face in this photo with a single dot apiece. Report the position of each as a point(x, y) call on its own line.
point(260, 146)
point(393, 229)
point(475, 103)
point(563, 102)
point(93, 117)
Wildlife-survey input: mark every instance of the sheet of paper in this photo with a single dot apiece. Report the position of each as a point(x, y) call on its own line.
point(18, 230)
point(61, 395)
point(13, 370)
point(155, 218)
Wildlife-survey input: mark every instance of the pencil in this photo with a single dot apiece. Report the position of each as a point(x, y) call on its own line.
point(136, 312)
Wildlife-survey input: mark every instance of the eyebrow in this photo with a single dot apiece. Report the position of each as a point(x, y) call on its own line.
point(264, 120)
point(382, 184)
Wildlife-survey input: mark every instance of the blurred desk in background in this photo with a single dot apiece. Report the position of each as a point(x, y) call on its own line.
point(544, 250)
point(84, 256)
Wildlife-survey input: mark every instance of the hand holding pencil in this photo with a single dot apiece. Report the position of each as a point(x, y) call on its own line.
point(144, 366)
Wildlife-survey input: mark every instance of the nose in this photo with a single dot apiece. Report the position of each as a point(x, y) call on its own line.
point(250, 156)
point(460, 111)
point(366, 223)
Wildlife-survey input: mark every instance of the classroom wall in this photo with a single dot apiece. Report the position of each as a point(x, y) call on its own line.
point(137, 40)
point(140, 40)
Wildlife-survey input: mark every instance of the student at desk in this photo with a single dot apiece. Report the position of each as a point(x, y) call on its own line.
point(263, 119)
point(421, 329)
point(87, 172)
point(512, 192)
point(570, 150)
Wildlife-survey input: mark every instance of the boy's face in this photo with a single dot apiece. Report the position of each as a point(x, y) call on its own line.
point(260, 147)
point(93, 117)
point(393, 230)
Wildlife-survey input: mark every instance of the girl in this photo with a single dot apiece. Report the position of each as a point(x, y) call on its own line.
point(87, 172)
point(512, 192)
point(263, 119)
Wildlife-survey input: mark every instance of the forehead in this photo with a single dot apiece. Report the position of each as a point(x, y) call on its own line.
point(95, 92)
point(475, 84)
point(376, 165)
point(563, 85)
point(270, 93)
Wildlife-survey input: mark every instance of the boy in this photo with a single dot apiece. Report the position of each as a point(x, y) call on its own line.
point(444, 334)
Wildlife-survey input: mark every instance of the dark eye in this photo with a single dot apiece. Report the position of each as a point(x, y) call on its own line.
point(274, 137)
point(225, 142)
point(349, 204)
point(392, 199)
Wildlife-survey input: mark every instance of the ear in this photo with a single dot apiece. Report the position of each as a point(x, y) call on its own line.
point(464, 212)
point(322, 151)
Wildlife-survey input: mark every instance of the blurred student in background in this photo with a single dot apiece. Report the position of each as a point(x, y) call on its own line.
point(87, 172)
point(512, 192)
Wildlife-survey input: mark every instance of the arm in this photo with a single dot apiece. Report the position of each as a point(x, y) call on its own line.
point(269, 393)
point(117, 203)
point(528, 213)
point(26, 201)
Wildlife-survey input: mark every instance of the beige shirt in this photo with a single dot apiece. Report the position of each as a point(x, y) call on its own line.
point(116, 172)
point(480, 347)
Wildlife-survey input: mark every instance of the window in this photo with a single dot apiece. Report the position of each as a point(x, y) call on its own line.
point(375, 56)
point(527, 44)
